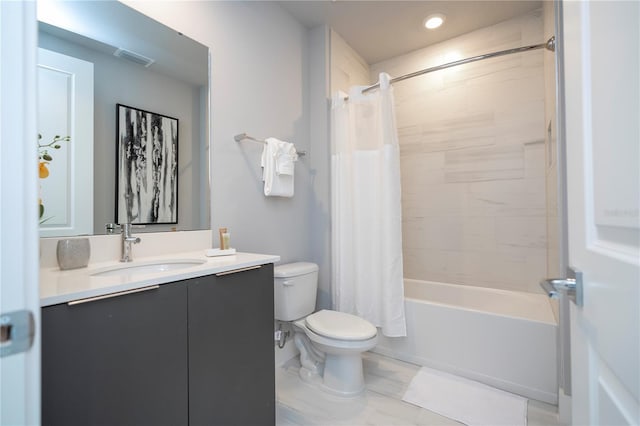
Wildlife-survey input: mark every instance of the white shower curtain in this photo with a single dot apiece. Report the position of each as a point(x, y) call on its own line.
point(366, 216)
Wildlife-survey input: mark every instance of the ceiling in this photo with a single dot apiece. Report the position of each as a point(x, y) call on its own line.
point(108, 26)
point(380, 30)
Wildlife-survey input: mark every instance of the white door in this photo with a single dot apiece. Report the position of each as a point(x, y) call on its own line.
point(20, 372)
point(601, 78)
point(65, 109)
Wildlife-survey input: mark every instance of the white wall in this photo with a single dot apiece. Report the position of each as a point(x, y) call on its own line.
point(259, 73)
point(472, 158)
point(118, 81)
point(320, 208)
point(347, 66)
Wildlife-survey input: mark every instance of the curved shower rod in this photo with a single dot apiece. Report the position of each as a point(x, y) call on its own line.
point(549, 45)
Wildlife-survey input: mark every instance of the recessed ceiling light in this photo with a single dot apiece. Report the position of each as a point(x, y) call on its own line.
point(434, 21)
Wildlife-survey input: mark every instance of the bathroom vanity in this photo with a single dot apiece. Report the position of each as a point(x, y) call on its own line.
point(188, 346)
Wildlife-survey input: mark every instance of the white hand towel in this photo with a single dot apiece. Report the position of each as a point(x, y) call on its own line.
point(275, 185)
point(285, 157)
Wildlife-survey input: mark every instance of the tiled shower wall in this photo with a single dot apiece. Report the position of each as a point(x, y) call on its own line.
point(347, 66)
point(554, 237)
point(472, 159)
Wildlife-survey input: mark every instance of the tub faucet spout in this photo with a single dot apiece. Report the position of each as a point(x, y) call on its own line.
point(127, 240)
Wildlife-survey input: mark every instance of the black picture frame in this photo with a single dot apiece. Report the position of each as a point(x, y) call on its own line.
point(146, 167)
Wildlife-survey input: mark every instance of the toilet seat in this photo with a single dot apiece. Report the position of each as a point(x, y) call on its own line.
point(335, 346)
point(340, 326)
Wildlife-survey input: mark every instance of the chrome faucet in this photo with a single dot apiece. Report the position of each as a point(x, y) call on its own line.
point(127, 239)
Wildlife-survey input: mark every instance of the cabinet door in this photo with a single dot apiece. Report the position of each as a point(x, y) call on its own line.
point(231, 358)
point(117, 361)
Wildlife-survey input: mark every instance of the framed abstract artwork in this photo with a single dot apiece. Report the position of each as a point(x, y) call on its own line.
point(147, 167)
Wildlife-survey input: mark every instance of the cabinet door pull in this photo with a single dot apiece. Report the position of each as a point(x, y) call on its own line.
point(249, 268)
point(110, 295)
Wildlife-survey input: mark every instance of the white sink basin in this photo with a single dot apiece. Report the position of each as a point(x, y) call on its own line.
point(147, 267)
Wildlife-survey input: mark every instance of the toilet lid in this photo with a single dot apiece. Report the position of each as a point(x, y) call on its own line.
point(339, 325)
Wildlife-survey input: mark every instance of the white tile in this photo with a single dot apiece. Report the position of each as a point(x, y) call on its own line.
point(504, 91)
point(531, 28)
point(443, 234)
point(421, 169)
point(387, 376)
point(445, 141)
point(479, 233)
point(534, 160)
point(386, 380)
point(425, 264)
point(318, 406)
point(347, 67)
point(424, 200)
point(481, 69)
point(473, 169)
point(425, 161)
point(523, 121)
point(536, 269)
point(287, 416)
point(529, 232)
point(529, 187)
point(388, 411)
point(482, 175)
point(503, 198)
point(487, 163)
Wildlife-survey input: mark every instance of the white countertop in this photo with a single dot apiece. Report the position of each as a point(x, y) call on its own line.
point(58, 286)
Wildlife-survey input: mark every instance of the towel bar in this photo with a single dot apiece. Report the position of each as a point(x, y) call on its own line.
point(244, 136)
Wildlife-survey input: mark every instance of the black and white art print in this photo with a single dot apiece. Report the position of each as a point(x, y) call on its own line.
point(147, 167)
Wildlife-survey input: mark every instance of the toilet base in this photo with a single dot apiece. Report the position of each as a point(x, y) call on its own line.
point(338, 374)
point(343, 374)
point(351, 385)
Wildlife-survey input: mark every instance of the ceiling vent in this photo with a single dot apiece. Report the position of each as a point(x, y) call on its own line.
point(133, 57)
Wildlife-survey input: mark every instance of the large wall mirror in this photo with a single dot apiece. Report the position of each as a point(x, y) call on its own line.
point(92, 57)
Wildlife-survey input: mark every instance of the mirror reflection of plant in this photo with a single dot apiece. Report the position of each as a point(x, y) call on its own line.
point(43, 152)
point(45, 158)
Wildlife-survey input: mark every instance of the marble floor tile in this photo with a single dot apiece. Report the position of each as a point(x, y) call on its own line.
point(387, 376)
point(386, 380)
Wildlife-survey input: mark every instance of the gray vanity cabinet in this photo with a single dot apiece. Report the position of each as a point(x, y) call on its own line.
point(117, 361)
point(194, 352)
point(231, 357)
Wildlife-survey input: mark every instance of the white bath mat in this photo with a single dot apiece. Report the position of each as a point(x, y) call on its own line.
point(464, 400)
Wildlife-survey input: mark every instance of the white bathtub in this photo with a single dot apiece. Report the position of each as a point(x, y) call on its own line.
point(505, 339)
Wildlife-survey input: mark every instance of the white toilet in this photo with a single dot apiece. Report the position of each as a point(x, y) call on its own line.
point(330, 342)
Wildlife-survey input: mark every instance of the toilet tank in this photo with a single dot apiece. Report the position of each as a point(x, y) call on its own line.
point(295, 290)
